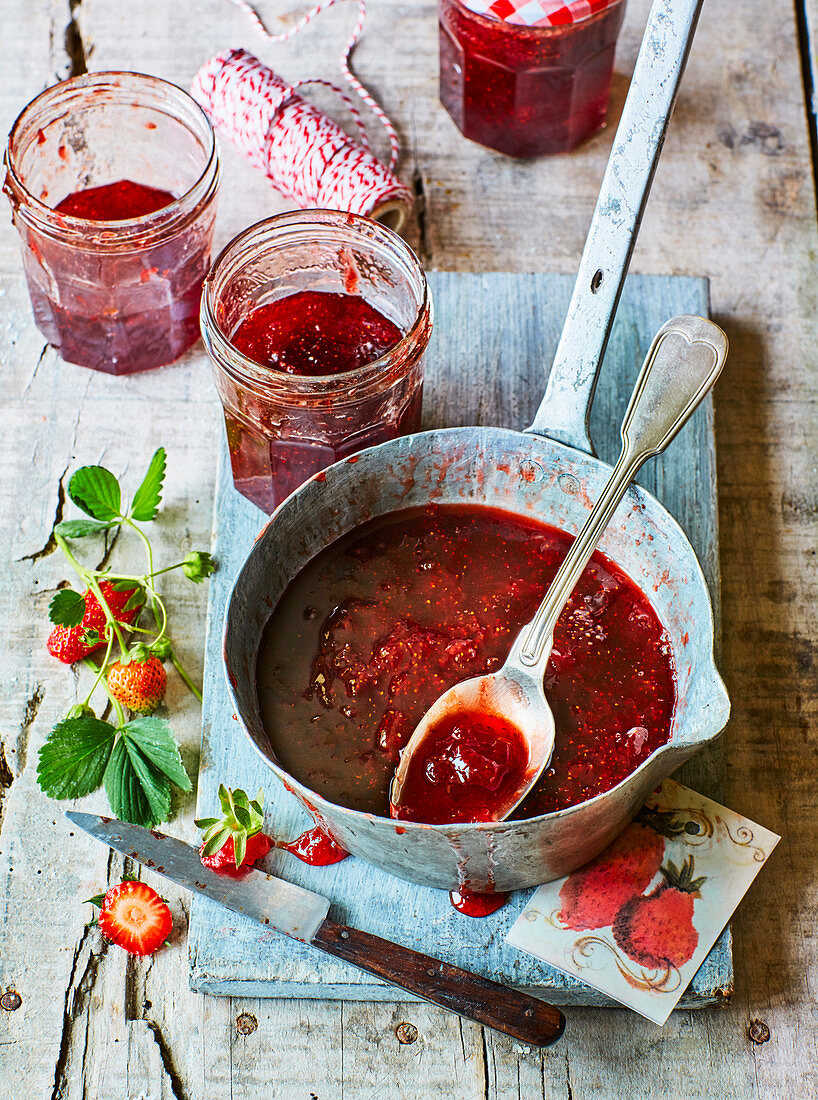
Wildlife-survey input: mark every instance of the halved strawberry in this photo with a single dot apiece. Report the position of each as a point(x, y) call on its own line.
point(135, 917)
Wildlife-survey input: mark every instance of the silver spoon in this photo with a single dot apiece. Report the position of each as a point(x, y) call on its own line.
point(684, 360)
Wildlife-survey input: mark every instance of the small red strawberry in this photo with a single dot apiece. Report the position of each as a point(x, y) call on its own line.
point(657, 931)
point(233, 843)
point(116, 600)
point(69, 643)
point(592, 896)
point(135, 917)
point(140, 684)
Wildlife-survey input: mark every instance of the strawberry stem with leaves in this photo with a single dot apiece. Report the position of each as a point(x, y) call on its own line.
point(137, 758)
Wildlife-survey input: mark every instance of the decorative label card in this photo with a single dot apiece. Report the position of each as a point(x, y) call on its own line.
point(638, 921)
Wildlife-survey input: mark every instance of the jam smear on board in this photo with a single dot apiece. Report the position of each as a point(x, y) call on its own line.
point(316, 848)
point(112, 202)
point(387, 618)
point(315, 333)
point(465, 766)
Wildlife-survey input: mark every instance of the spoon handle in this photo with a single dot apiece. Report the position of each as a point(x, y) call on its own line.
point(684, 360)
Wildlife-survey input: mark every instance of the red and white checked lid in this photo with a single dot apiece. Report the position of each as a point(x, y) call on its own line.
point(538, 13)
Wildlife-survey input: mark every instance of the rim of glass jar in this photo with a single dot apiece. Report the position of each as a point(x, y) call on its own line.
point(66, 227)
point(246, 371)
point(532, 32)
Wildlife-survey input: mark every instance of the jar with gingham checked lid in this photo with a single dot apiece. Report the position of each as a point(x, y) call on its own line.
point(528, 78)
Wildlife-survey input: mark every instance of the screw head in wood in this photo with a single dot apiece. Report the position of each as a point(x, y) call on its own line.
point(246, 1023)
point(11, 1000)
point(406, 1033)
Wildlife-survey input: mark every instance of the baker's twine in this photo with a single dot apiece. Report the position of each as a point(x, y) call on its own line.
point(303, 152)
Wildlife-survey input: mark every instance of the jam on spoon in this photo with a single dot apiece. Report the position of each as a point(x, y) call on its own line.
point(466, 764)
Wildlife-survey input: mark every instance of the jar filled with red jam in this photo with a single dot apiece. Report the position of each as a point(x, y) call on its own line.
point(528, 78)
point(112, 179)
point(317, 323)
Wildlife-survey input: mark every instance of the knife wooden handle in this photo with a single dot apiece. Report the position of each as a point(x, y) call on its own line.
point(516, 1014)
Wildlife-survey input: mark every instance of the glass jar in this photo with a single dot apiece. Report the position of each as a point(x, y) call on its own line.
point(117, 296)
point(526, 91)
point(282, 428)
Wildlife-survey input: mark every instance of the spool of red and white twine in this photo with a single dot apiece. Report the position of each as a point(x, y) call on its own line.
point(303, 152)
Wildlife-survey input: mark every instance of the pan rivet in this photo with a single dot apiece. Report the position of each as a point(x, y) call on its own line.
point(529, 1012)
point(406, 1033)
point(431, 973)
point(596, 281)
point(345, 935)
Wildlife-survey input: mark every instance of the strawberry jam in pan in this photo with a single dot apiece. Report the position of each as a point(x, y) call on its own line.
point(391, 615)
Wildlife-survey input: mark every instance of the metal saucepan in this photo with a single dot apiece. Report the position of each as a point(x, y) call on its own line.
point(493, 466)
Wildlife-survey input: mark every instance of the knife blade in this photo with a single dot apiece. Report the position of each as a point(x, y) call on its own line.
point(302, 914)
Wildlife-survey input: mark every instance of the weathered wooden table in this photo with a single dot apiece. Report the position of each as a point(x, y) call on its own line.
point(733, 200)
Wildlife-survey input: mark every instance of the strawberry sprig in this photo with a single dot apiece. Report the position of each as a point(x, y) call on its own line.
point(118, 627)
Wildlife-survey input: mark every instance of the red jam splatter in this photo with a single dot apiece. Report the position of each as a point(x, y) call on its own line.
point(405, 607)
point(315, 333)
point(524, 91)
point(316, 848)
point(464, 769)
point(477, 905)
point(115, 202)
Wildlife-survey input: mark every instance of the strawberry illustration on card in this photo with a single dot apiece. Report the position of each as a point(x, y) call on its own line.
point(637, 921)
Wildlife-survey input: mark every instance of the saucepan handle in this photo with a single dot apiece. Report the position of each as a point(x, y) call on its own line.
point(476, 998)
point(565, 409)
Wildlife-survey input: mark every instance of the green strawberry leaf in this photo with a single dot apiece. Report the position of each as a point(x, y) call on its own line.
point(97, 900)
point(74, 757)
point(154, 739)
point(136, 599)
point(239, 847)
point(67, 608)
point(97, 492)
point(79, 528)
point(149, 494)
point(216, 842)
point(136, 791)
point(198, 565)
point(205, 822)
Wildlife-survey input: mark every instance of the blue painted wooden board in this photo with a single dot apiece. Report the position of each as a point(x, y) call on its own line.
point(493, 338)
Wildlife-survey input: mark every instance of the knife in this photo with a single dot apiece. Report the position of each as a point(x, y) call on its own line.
point(302, 914)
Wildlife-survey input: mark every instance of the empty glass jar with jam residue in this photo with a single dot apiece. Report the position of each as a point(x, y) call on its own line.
point(520, 85)
point(111, 291)
point(284, 425)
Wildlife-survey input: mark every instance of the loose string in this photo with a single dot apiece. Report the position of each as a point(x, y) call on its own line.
point(360, 90)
